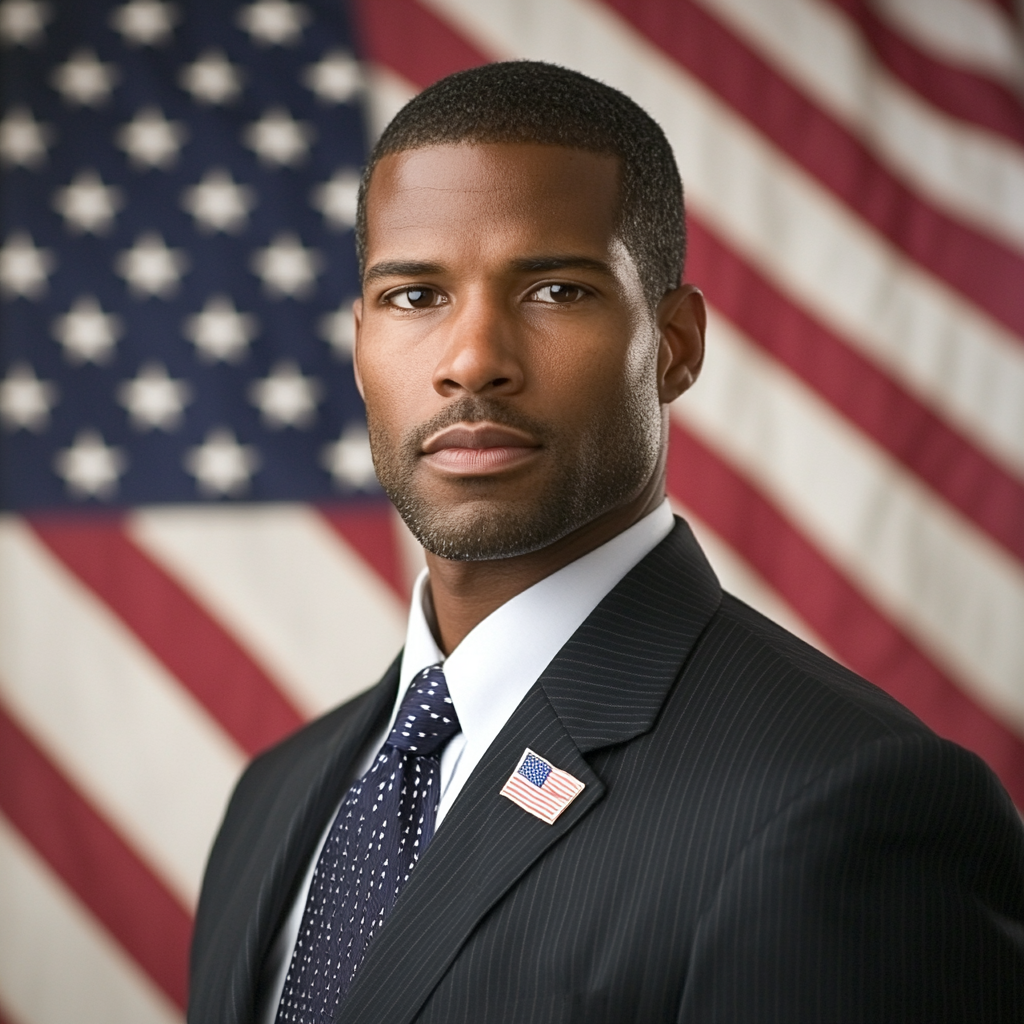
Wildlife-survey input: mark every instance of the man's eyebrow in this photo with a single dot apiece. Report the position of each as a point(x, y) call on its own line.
point(401, 268)
point(542, 264)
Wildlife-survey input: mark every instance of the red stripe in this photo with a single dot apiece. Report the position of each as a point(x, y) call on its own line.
point(370, 529)
point(905, 427)
point(967, 96)
point(402, 35)
point(983, 269)
point(94, 861)
point(859, 634)
point(201, 654)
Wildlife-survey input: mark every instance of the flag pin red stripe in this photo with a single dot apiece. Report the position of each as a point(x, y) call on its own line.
point(540, 788)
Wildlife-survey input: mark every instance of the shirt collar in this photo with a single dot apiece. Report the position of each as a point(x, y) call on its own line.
point(490, 672)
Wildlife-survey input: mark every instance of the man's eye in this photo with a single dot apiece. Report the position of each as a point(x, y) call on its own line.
point(414, 298)
point(559, 293)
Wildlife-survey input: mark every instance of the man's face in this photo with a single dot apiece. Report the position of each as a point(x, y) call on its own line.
point(504, 347)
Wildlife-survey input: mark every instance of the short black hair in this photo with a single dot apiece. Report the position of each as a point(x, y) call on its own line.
point(534, 102)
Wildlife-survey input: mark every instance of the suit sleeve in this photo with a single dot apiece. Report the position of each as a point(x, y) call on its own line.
point(891, 889)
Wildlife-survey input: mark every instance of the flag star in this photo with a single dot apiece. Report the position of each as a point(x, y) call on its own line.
point(212, 78)
point(23, 139)
point(154, 399)
point(278, 139)
point(349, 461)
point(150, 268)
point(274, 22)
point(87, 334)
point(150, 140)
point(87, 204)
point(145, 22)
point(336, 199)
point(25, 400)
point(218, 203)
point(221, 465)
point(335, 78)
point(338, 329)
point(90, 467)
point(84, 79)
point(24, 268)
point(286, 267)
point(286, 398)
point(219, 332)
point(22, 22)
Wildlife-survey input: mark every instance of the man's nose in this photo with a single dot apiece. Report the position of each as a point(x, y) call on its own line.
point(481, 353)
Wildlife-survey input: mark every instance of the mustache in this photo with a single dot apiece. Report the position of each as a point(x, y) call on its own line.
point(473, 409)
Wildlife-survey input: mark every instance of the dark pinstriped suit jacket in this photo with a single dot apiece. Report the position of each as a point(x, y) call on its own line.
point(763, 836)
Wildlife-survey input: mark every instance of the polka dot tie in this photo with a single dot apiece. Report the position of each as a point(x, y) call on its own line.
point(384, 824)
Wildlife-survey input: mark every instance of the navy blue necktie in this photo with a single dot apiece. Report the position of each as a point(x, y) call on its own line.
point(383, 826)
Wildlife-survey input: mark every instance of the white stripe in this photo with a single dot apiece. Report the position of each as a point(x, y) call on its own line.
point(288, 587)
point(139, 746)
point(57, 963)
point(926, 566)
point(972, 34)
point(975, 174)
point(386, 94)
point(947, 352)
point(738, 577)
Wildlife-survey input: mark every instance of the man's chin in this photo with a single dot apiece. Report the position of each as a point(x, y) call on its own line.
point(484, 531)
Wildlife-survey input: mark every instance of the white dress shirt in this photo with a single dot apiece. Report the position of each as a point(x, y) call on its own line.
point(488, 674)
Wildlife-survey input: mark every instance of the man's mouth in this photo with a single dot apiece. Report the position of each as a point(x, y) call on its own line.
point(478, 449)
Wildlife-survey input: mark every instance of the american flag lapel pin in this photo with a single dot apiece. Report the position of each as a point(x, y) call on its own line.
point(540, 788)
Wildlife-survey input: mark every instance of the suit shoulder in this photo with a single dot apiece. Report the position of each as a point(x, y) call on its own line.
point(770, 652)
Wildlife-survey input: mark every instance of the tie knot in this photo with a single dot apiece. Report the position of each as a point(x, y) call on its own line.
point(426, 720)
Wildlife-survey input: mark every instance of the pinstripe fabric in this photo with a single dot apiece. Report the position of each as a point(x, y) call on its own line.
point(272, 824)
point(763, 836)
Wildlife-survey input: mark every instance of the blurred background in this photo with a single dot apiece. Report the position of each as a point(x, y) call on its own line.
point(195, 556)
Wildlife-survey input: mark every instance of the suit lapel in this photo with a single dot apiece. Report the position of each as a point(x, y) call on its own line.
point(606, 686)
point(316, 780)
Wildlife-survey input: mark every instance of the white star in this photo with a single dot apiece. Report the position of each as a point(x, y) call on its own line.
point(24, 269)
point(338, 329)
point(22, 22)
point(274, 22)
point(150, 268)
point(278, 139)
point(145, 22)
point(25, 400)
point(150, 140)
point(84, 79)
point(286, 267)
point(153, 399)
point(87, 204)
point(286, 398)
point(87, 334)
point(218, 203)
point(336, 199)
point(211, 78)
point(349, 461)
point(23, 139)
point(220, 332)
point(221, 465)
point(90, 467)
point(335, 78)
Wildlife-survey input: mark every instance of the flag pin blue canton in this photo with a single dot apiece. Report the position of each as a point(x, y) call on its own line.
point(540, 788)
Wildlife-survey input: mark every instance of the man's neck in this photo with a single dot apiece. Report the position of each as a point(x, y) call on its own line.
point(463, 594)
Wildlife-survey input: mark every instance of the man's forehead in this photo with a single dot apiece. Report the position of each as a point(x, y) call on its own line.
point(493, 166)
point(544, 196)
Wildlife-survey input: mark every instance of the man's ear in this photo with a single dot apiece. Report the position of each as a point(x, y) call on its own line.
point(357, 313)
point(682, 319)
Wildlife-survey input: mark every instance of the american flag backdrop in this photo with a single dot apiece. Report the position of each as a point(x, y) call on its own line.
point(194, 554)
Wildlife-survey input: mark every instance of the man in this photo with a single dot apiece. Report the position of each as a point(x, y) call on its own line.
point(593, 787)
